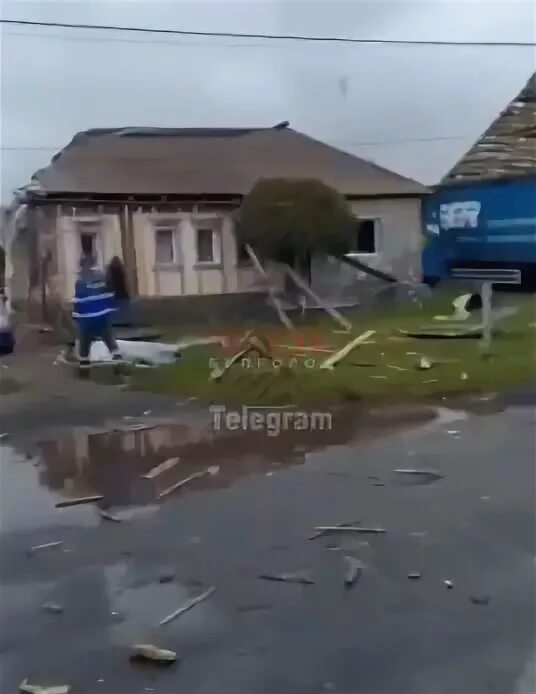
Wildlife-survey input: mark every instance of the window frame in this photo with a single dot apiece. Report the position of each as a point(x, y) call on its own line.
point(172, 227)
point(378, 234)
point(91, 226)
point(217, 246)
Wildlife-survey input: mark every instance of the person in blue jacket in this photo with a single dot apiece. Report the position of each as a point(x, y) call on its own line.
point(93, 308)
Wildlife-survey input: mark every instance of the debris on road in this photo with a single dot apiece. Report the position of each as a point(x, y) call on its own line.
point(188, 606)
point(159, 469)
point(349, 528)
point(167, 577)
point(334, 359)
point(449, 584)
point(415, 576)
point(53, 607)
point(27, 688)
point(300, 578)
point(109, 517)
point(479, 599)
point(428, 473)
point(157, 655)
point(48, 545)
point(339, 525)
point(424, 363)
point(353, 571)
point(79, 501)
point(182, 483)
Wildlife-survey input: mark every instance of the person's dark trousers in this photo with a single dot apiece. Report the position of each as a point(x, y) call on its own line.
point(90, 334)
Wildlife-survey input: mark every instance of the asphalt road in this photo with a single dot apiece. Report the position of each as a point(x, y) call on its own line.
point(388, 634)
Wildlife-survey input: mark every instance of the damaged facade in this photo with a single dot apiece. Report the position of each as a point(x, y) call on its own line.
point(165, 202)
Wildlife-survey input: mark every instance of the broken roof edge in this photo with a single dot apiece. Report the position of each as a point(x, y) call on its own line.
point(448, 179)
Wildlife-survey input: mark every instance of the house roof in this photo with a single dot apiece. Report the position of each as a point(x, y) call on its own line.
point(508, 147)
point(197, 161)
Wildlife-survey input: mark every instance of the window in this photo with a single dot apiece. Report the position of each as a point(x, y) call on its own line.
point(89, 238)
point(365, 239)
point(165, 246)
point(208, 246)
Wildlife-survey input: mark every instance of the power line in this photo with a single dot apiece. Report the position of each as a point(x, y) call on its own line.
point(363, 143)
point(275, 37)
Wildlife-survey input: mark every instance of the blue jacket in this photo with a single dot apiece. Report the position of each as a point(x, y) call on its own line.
point(93, 303)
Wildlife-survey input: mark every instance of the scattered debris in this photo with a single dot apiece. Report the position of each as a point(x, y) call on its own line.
point(431, 474)
point(213, 470)
point(454, 432)
point(271, 291)
point(334, 359)
point(159, 469)
point(449, 584)
point(3, 436)
point(27, 688)
point(379, 484)
point(424, 364)
point(147, 412)
point(79, 501)
point(168, 577)
point(480, 599)
point(109, 517)
point(52, 607)
point(288, 578)
point(460, 312)
point(415, 576)
point(381, 378)
point(339, 525)
point(464, 376)
point(349, 528)
point(431, 380)
point(48, 545)
point(157, 655)
point(332, 312)
point(396, 368)
point(485, 498)
point(353, 572)
point(474, 332)
point(187, 480)
point(188, 606)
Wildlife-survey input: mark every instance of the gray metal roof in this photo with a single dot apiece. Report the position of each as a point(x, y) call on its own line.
point(197, 161)
point(508, 147)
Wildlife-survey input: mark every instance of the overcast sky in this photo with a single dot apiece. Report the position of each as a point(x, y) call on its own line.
point(56, 82)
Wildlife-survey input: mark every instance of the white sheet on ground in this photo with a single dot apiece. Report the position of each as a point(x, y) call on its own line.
point(148, 352)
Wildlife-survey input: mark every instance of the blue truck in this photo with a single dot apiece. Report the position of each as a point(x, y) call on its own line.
point(483, 224)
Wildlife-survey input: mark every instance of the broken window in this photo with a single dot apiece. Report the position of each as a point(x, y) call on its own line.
point(365, 238)
point(89, 238)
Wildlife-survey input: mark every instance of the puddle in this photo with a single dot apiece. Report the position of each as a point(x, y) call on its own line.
point(114, 463)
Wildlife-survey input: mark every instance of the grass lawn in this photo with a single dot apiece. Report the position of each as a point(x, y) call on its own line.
point(384, 370)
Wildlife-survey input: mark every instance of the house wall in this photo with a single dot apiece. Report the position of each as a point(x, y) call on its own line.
point(398, 250)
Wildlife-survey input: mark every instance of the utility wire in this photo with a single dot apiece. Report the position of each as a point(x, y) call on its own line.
point(276, 37)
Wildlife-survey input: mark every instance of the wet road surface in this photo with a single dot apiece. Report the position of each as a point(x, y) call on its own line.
point(388, 635)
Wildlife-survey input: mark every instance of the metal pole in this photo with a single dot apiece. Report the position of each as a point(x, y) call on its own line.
point(486, 293)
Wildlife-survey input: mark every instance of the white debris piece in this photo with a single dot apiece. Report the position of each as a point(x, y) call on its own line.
point(188, 606)
point(36, 689)
point(149, 652)
point(48, 545)
point(424, 364)
point(149, 352)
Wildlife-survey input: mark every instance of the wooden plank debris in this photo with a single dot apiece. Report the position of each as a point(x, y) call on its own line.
point(334, 359)
point(188, 606)
point(271, 291)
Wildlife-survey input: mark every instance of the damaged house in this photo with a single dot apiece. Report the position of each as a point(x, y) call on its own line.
point(165, 201)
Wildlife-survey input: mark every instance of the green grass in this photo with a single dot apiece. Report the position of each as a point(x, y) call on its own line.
point(511, 362)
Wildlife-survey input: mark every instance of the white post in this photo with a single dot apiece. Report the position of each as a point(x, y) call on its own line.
point(486, 293)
